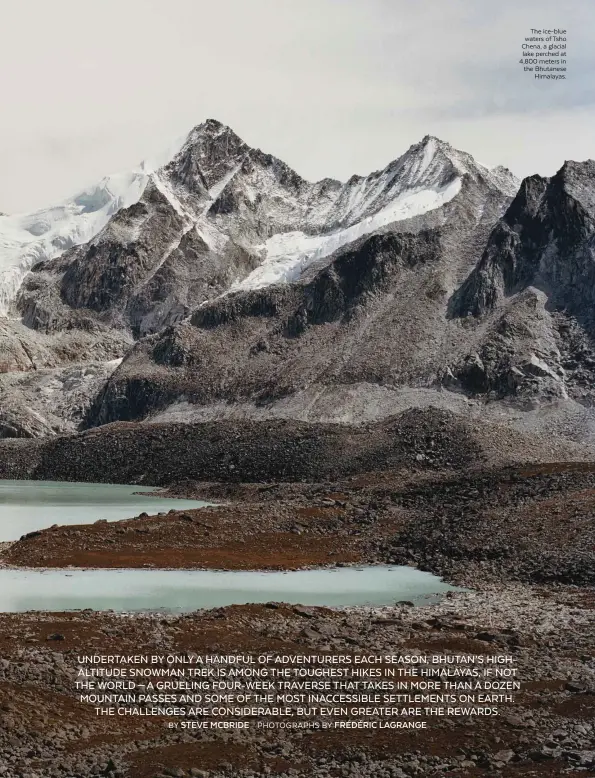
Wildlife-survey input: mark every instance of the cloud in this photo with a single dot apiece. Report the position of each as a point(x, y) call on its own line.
point(331, 86)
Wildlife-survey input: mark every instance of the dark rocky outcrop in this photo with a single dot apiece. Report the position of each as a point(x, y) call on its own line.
point(342, 324)
point(535, 288)
point(528, 524)
point(545, 240)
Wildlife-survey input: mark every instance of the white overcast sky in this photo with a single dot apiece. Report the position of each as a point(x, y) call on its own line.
point(332, 87)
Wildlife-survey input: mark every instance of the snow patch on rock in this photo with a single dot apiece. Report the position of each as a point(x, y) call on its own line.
point(270, 211)
point(26, 239)
point(289, 254)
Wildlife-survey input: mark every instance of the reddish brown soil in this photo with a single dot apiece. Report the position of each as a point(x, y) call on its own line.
point(270, 552)
point(276, 536)
point(275, 526)
point(536, 520)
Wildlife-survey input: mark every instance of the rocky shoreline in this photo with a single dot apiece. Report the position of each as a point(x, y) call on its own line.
point(518, 532)
point(305, 408)
point(528, 524)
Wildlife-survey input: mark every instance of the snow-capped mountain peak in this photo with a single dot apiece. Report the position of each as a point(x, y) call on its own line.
point(210, 151)
point(433, 159)
point(426, 177)
point(234, 195)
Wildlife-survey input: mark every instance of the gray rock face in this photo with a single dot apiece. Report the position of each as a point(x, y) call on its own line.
point(343, 319)
point(263, 345)
point(203, 224)
point(150, 265)
point(290, 338)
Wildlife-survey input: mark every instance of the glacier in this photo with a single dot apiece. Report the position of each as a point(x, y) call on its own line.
point(26, 239)
point(289, 254)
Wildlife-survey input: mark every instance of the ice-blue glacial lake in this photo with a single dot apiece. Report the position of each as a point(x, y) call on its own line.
point(31, 505)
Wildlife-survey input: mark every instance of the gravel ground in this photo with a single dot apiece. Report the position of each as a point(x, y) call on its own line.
point(547, 731)
point(426, 440)
point(427, 490)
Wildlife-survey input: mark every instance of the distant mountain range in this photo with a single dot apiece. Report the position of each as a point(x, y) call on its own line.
point(223, 285)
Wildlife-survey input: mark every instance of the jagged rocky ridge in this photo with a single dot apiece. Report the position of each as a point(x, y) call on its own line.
point(222, 215)
point(235, 288)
